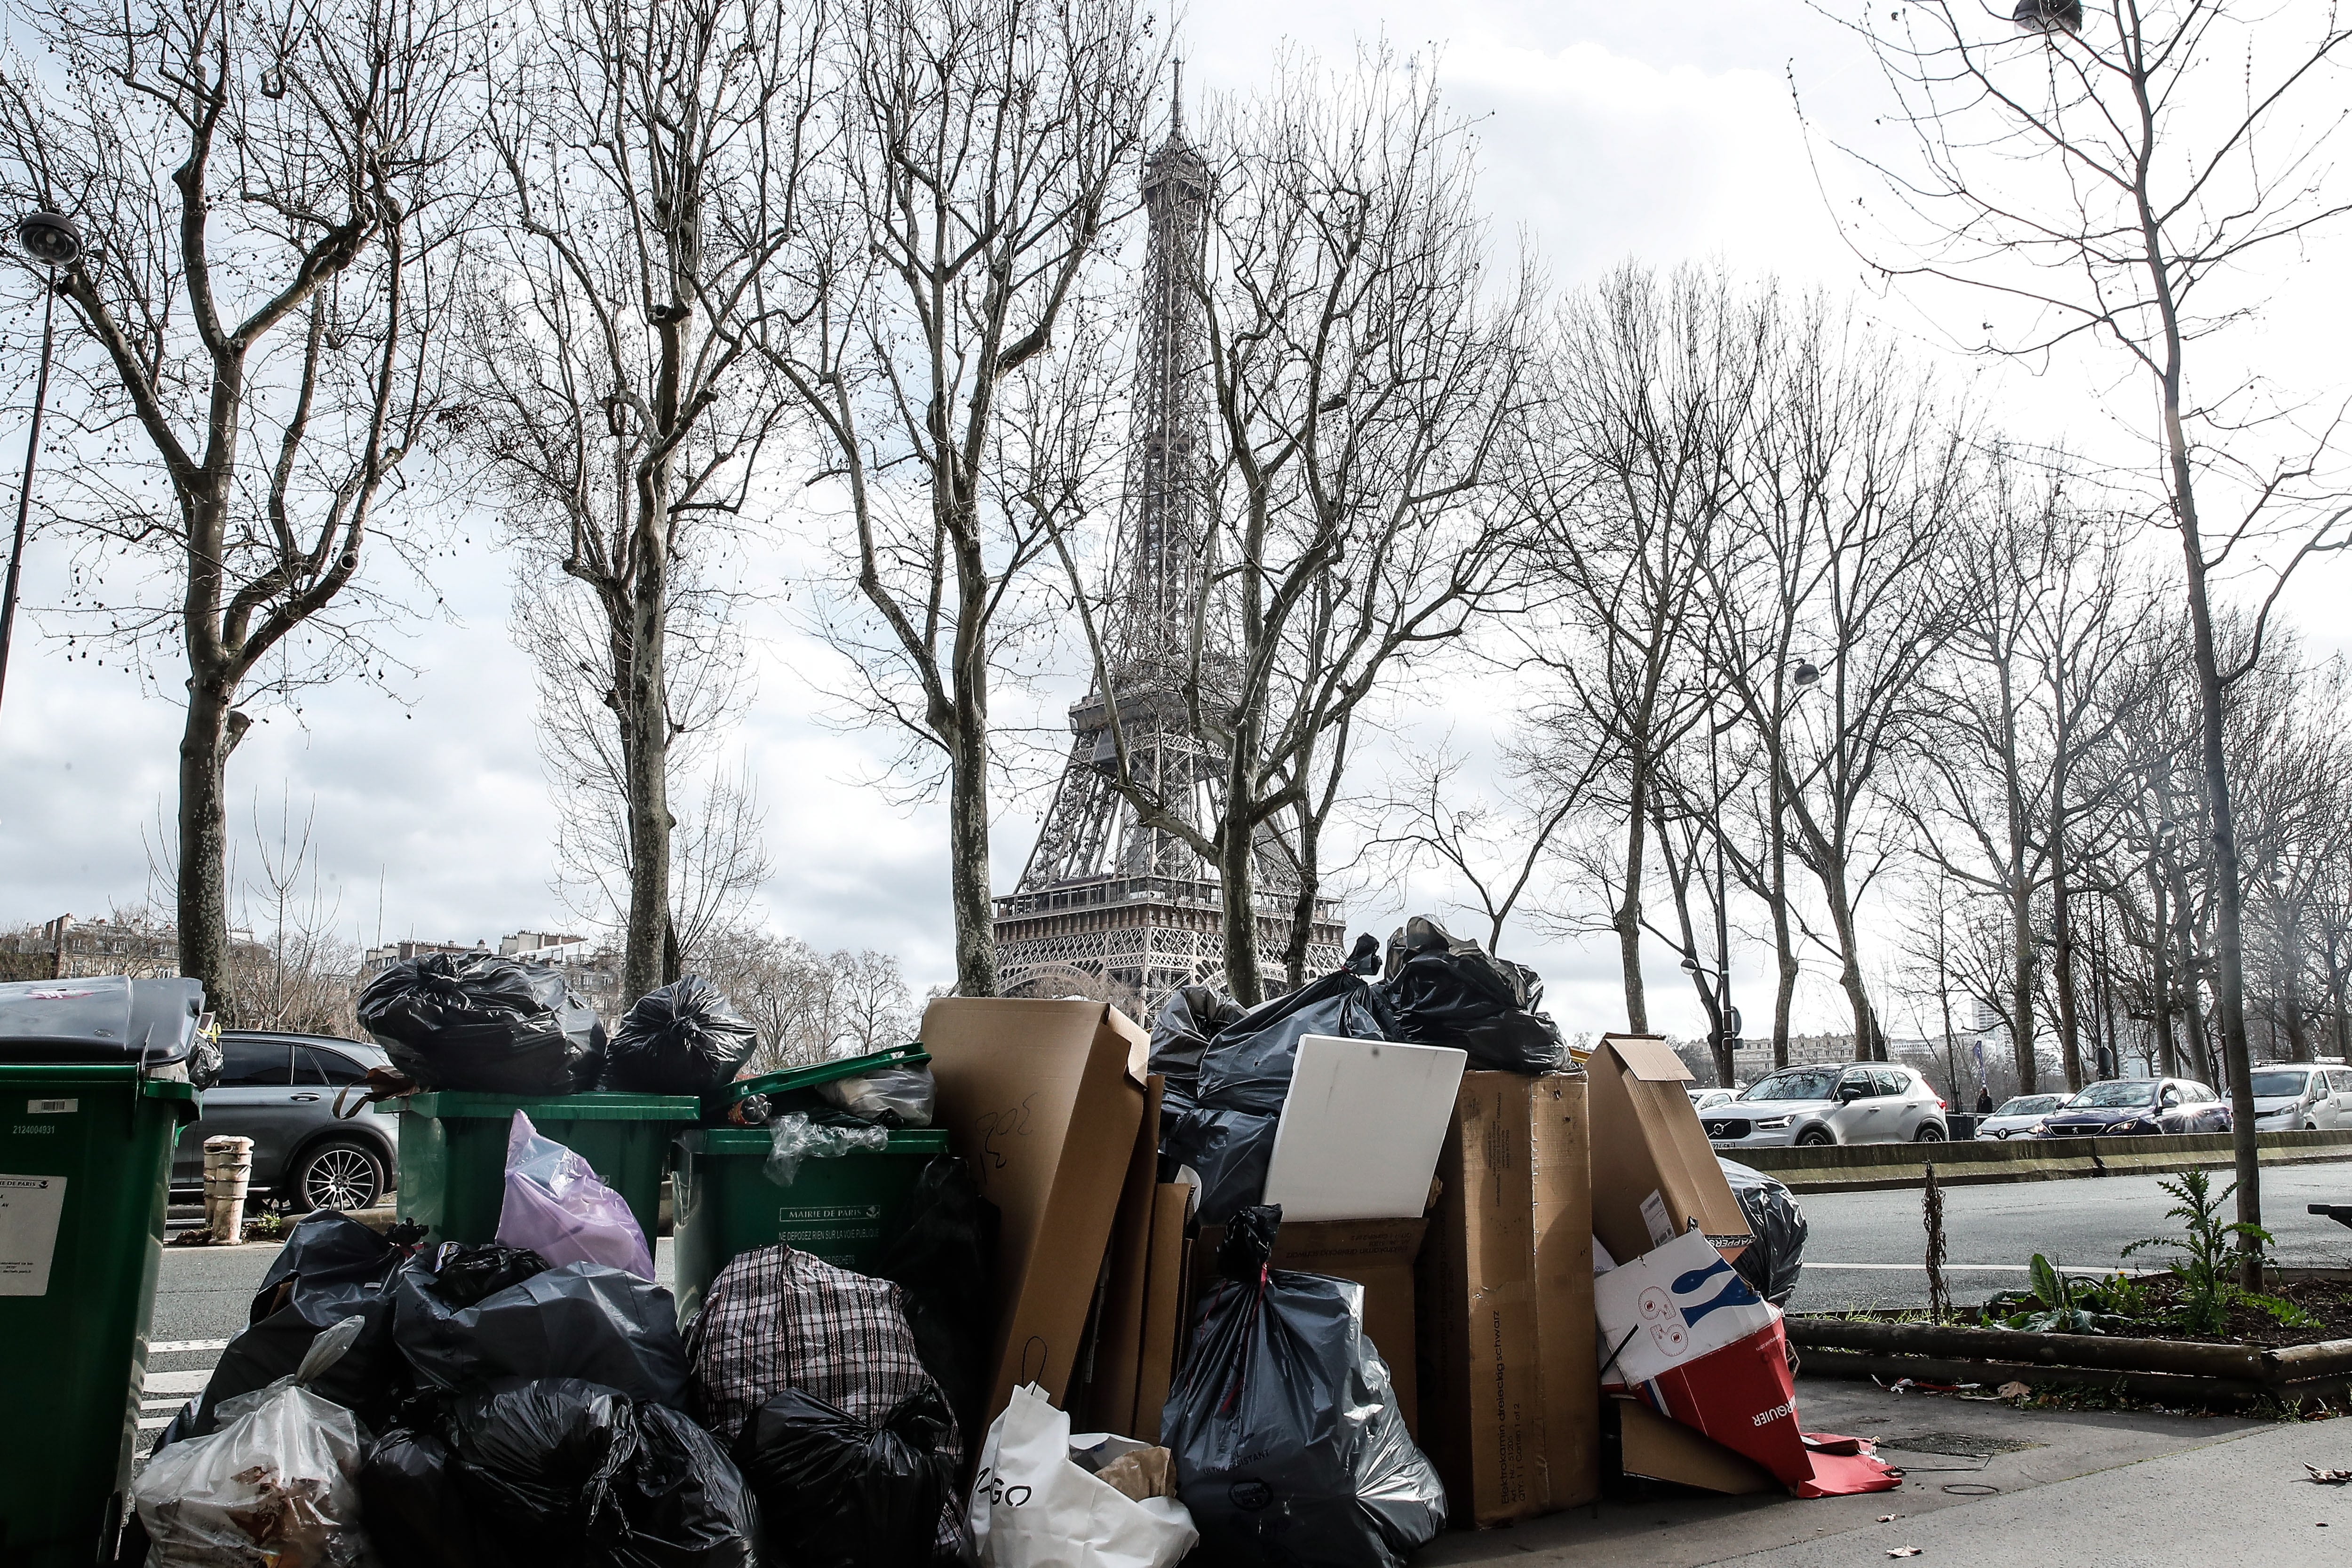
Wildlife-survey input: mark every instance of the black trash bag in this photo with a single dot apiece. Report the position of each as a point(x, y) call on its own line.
point(463, 1275)
point(1772, 1264)
point(1230, 1151)
point(1289, 1449)
point(417, 1515)
point(1190, 1018)
point(471, 1021)
point(1247, 1066)
point(1446, 992)
point(573, 1475)
point(330, 1267)
point(685, 1038)
point(584, 1321)
point(840, 1494)
point(945, 1261)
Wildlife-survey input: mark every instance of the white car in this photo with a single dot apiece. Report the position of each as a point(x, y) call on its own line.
point(1867, 1103)
point(2020, 1116)
point(2294, 1097)
point(1708, 1098)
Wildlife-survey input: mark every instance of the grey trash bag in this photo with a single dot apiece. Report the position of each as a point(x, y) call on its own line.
point(1289, 1449)
point(1190, 1018)
point(1247, 1066)
point(584, 1321)
point(1773, 1264)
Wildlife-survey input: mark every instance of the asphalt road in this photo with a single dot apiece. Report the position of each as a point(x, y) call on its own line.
point(1866, 1249)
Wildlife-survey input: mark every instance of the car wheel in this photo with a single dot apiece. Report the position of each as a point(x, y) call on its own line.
point(336, 1176)
point(1929, 1133)
point(1814, 1137)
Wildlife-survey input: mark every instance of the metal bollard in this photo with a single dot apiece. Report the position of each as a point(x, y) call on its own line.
point(228, 1167)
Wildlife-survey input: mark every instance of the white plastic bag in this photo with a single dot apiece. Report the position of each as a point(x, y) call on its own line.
point(1032, 1508)
point(557, 1206)
point(792, 1138)
point(273, 1488)
point(907, 1096)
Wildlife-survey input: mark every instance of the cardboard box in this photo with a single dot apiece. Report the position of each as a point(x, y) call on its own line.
point(1655, 1175)
point(1167, 1289)
point(1510, 1382)
point(1379, 1254)
point(1109, 1401)
point(1669, 1307)
point(1044, 1100)
point(1652, 1445)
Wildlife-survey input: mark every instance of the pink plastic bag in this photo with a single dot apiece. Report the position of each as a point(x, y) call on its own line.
point(557, 1206)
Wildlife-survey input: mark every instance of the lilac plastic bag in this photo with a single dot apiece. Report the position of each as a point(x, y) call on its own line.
point(558, 1207)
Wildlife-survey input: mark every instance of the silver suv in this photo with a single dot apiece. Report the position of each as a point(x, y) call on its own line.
point(1863, 1102)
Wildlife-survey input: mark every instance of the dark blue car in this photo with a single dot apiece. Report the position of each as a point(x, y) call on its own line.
point(2121, 1106)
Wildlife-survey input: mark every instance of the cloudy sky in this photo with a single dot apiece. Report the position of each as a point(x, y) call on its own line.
point(1662, 133)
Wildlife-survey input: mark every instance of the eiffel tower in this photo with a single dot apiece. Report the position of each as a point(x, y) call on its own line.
point(1107, 906)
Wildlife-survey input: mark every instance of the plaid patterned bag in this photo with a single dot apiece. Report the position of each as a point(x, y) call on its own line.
point(778, 1317)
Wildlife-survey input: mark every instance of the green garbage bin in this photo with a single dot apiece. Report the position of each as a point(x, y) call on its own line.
point(845, 1210)
point(453, 1151)
point(85, 1167)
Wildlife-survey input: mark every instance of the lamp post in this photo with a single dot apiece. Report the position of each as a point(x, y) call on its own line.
point(51, 239)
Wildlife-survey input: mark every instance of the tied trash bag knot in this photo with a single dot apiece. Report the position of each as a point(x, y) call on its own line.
point(558, 1207)
point(792, 1138)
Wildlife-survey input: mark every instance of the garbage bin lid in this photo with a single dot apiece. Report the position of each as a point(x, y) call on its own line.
point(111, 1018)
point(910, 1055)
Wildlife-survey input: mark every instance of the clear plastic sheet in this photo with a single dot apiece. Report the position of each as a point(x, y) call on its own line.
point(792, 1138)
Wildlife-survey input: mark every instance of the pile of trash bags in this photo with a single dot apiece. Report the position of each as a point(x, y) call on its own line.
point(1228, 1068)
point(477, 1022)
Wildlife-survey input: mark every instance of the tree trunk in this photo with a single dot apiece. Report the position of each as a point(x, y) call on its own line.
point(2021, 980)
point(968, 872)
point(1302, 910)
point(2168, 1053)
point(1784, 947)
point(1235, 876)
point(2062, 972)
point(1627, 917)
point(1868, 1046)
point(644, 716)
point(202, 884)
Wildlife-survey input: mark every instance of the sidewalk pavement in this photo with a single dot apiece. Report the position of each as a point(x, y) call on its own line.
point(2087, 1488)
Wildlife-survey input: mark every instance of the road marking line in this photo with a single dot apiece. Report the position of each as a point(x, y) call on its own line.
point(177, 1381)
point(176, 1347)
point(1978, 1267)
point(161, 1403)
point(153, 1422)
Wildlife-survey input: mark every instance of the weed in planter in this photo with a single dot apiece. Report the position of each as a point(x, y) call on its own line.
point(2055, 1304)
point(2204, 1264)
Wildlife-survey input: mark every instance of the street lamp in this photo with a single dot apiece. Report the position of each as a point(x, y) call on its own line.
point(51, 239)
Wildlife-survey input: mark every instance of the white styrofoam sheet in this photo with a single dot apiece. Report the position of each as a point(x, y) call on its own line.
point(1361, 1127)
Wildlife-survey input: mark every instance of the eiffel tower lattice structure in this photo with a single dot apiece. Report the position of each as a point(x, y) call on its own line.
point(1107, 906)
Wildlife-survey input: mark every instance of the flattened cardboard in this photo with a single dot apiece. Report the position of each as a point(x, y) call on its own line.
point(1379, 1254)
point(1164, 1296)
point(1038, 1098)
point(1652, 1445)
point(1654, 1176)
point(1110, 1401)
point(1511, 1390)
point(1323, 1167)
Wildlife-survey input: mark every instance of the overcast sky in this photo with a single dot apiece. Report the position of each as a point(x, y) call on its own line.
point(1662, 133)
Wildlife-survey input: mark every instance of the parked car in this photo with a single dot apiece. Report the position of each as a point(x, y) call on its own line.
point(2020, 1116)
point(279, 1089)
point(1867, 1103)
point(2296, 1097)
point(2126, 1106)
point(1708, 1098)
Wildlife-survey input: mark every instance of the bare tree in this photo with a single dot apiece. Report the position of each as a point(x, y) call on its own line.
point(268, 191)
point(298, 973)
point(982, 144)
point(1645, 405)
point(2119, 173)
point(1361, 368)
point(1492, 846)
point(652, 152)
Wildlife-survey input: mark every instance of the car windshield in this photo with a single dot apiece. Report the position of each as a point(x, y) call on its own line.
point(2029, 1105)
point(2280, 1082)
point(2118, 1095)
point(1795, 1086)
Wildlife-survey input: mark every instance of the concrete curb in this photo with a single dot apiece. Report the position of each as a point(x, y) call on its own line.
point(1880, 1167)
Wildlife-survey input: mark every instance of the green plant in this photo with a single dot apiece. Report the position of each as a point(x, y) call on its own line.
point(2204, 1264)
point(2054, 1305)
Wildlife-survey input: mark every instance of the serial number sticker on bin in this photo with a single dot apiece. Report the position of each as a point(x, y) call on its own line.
point(30, 1208)
point(51, 1107)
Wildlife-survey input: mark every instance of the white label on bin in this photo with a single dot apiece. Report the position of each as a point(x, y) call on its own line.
point(51, 1107)
point(30, 1209)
